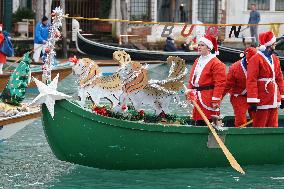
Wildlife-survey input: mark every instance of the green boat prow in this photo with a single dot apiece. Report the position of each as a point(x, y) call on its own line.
point(82, 137)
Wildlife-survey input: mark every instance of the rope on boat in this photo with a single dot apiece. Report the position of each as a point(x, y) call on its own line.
point(165, 23)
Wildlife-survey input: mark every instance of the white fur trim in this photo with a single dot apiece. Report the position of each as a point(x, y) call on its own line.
point(214, 98)
point(269, 43)
point(217, 52)
point(282, 96)
point(242, 55)
point(253, 100)
point(207, 42)
point(262, 48)
point(202, 62)
point(265, 107)
point(204, 105)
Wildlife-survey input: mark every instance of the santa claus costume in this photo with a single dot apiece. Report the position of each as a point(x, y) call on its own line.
point(236, 86)
point(208, 79)
point(265, 83)
point(2, 56)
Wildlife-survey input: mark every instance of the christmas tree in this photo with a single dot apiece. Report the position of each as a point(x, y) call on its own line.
point(15, 90)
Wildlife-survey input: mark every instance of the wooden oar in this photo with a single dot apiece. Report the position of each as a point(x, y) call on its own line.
point(246, 124)
point(225, 150)
point(22, 57)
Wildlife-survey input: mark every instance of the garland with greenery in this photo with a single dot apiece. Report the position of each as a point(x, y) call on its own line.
point(131, 114)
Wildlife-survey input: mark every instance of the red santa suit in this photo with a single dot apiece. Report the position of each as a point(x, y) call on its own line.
point(265, 84)
point(208, 77)
point(2, 56)
point(236, 86)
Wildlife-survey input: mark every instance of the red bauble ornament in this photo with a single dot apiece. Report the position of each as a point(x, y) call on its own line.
point(141, 113)
point(162, 114)
point(123, 107)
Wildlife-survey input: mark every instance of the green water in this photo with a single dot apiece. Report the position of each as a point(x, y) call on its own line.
point(26, 161)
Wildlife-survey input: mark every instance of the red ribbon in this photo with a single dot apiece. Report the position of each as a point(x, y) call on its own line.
point(74, 59)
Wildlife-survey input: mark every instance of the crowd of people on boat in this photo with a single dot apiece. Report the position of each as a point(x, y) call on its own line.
point(254, 83)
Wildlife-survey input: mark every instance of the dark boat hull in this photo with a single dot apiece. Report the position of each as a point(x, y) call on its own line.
point(93, 48)
point(89, 47)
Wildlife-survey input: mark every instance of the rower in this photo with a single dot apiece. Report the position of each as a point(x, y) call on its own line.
point(265, 90)
point(236, 87)
point(208, 79)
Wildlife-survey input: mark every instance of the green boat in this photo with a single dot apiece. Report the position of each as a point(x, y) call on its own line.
point(79, 136)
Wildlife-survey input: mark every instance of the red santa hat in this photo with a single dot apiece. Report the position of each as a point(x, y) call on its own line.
point(211, 42)
point(1, 27)
point(266, 39)
point(248, 52)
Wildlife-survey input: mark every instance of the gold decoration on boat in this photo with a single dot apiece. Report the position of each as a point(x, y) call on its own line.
point(121, 57)
point(93, 84)
point(157, 93)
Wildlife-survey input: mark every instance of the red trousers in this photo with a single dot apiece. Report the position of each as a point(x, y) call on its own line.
point(266, 118)
point(196, 116)
point(240, 107)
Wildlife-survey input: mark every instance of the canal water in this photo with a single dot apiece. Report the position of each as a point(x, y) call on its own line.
point(26, 161)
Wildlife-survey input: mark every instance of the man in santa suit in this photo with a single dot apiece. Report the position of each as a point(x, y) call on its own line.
point(265, 90)
point(236, 86)
point(2, 55)
point(207, 79)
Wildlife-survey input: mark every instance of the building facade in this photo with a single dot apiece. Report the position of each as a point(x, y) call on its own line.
point(208, 11)
point(271, 11)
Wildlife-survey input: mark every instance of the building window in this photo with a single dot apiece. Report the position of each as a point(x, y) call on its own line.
point(260, 4)
point(208, 11)
point(279, 5)
point(140, 9)
point(1, 11)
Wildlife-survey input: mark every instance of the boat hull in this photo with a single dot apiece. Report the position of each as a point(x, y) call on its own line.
point(63, 72)
point(11, 125)
point(89, 47)
point(106, 51)
point(78, 136)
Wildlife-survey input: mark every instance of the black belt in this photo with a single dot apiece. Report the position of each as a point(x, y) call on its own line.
point(204, 88)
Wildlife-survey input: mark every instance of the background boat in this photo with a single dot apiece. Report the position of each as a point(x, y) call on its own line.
point(89, 47)
point(10, 125)
point(79, 136)
point(93, 48)
point(63, 70)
